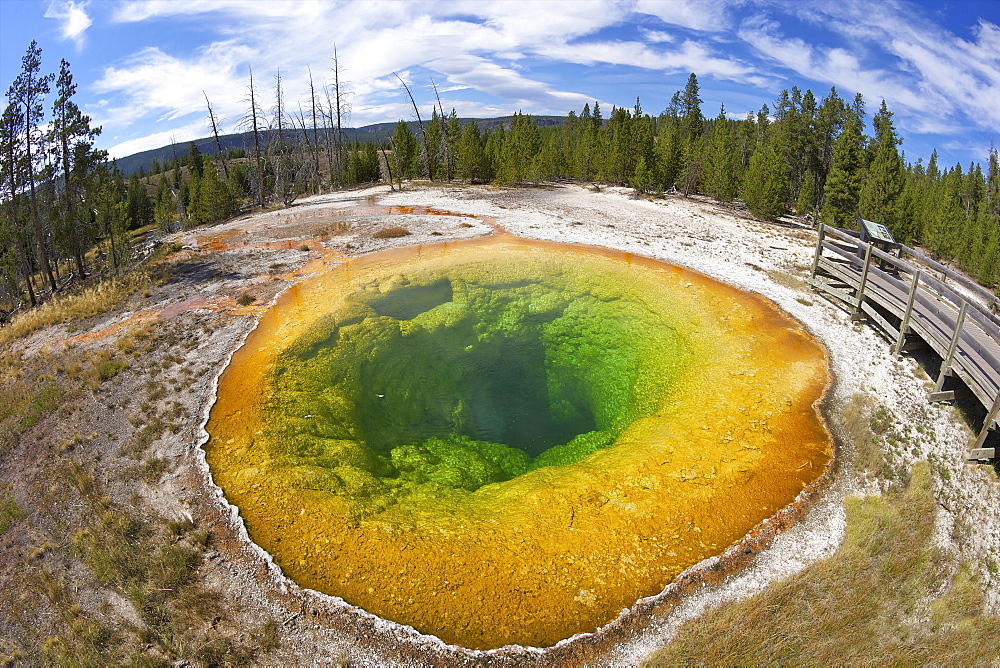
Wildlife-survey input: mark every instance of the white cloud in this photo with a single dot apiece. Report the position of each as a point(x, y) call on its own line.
point(701, 15)
point(180, 134)
point(142, 10)
point(486, 76)
point(837, 66)
point(690, 56)
point(153, 82)
point(656, 36)
point(73, 17)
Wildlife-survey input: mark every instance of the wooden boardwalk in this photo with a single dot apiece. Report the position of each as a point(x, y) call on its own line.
point(908, 300)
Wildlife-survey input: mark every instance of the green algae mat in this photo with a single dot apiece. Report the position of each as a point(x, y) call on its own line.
point(503, 441)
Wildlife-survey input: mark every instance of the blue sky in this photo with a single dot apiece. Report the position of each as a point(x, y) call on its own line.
point(141, 65)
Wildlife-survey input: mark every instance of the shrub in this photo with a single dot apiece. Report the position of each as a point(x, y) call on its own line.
point(109, 369)
point(391, 233)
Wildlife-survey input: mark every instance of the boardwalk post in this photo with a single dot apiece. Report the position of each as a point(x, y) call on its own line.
point(819, 250)
point(858, 313)
point(977, 451)
point(904, 325)
point(946, 364)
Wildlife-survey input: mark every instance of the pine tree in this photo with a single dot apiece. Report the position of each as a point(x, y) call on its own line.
point(721, 177)
point(435, 145)
point(883, 185)
point(642, 181)
point(105, 193)
point(827, 128)
point(211, 200)
point(765, 187)
point(405, 151)
point(620, 159)
point(138, 204)
point(520, 147)
point(469, 158)
point(596, 117)
point(669, 149)
point(71, 138)
point(584, 155)
point(840, 196)
point(807, 195)
point(492, 151)
point(164, 206)
point(14, 239)
point(691, 109)
point(26, 94)
point(692, 125)
point(993, 183)
point(452, 134)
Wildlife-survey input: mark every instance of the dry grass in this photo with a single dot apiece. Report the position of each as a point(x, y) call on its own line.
point(887, 596)
point(156, 565)
point(392, 233)
point(89, 301)
point(81, 528)
point(865, 604)
point(27, 399)
point(787, 280)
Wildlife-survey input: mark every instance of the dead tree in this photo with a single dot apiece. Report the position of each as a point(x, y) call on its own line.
point(215, 133)
point(315, 138)
point(423, 134)
point(446, 137)
point(338, 99)
point(253, 120)
point(308, 147)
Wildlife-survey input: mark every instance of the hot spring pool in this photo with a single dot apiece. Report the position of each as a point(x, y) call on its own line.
point(503, 441)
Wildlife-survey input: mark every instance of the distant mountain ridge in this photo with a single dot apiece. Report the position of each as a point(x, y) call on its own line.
point(376, 132)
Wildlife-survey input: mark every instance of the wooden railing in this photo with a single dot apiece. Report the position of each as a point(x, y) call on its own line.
point(911, 303)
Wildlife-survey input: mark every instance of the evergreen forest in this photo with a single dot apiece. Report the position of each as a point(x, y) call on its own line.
point(68, 213)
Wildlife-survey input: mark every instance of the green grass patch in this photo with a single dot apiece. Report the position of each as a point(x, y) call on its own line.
point(10, 512)
point(45, 400)
point(110, 368)
point(27, 399)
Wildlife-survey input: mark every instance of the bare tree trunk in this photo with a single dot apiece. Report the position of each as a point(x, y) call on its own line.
point(256, 144)
point(427, 153)
point(280, 184)
point(27, 279)
point(305, 139)
point(15, 215)
point(215, 132)
point(340, 133)
point(67, 193)
point(446, 139)
point(388, 166)
point(43, 253)
point(312, 97)
point(329, 139)
point(399, 172)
